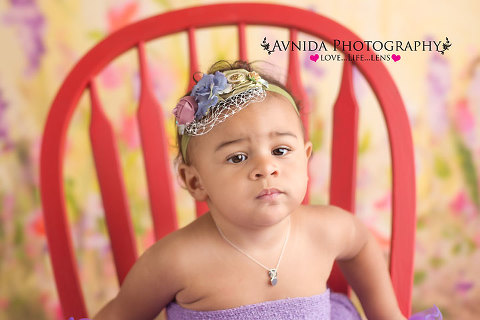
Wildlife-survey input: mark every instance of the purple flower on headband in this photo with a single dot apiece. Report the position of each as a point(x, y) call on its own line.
point(185, 110)
point(206, 90)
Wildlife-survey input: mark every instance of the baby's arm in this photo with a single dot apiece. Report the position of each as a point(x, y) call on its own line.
point(151, 284)
point(364, 267)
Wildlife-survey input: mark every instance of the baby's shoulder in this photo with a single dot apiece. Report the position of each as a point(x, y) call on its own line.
point(176, 244)
point(156, 277)
point(179, 245)
point(325, 217)
point(330, 226)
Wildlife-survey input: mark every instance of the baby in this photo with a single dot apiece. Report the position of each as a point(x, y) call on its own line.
point(258, 253)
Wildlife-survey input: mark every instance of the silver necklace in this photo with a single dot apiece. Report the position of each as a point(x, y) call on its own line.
point(272, 273)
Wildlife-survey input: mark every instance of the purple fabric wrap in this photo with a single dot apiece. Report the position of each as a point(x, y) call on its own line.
point(325, 306)
point(430, 314)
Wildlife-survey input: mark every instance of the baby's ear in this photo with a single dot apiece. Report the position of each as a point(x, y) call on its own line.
point(192, 181)
point(308, 149)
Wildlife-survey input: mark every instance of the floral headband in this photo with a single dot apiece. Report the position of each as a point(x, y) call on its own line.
point(218, 96)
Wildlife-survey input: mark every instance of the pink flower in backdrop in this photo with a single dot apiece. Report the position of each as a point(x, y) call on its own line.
point(112, 76)
point(57, 309)
point(3, 303)
point(461, 205)
point(148, 238)
point(382, 240)
point(364, 177)
point(5, 141)
point(121, 15)
point(384, 202)
point(35, 157)
point(438, 86)
point(35, 225)
point(473, 92)
point(129, 131)
point(465, 123)
point(463, 287)
point(476, 239)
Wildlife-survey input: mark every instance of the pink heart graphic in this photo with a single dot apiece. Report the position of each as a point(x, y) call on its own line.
point(314, 57)
point(395, 57)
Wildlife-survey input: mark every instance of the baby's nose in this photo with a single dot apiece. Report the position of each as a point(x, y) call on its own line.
point(264, 168)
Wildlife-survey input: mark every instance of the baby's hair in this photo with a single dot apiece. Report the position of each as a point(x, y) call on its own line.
point(224, 65)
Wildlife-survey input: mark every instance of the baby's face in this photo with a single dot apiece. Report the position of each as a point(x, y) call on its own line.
point(260, 147)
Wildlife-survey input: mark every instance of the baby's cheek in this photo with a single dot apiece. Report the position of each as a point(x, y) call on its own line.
point(296, 167)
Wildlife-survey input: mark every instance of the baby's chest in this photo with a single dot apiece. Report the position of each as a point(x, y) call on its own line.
point(231, 280)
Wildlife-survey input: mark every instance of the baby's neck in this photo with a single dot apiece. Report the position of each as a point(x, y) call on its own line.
point(256, 240)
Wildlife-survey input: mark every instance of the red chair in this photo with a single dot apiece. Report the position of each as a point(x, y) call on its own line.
point(153, 138)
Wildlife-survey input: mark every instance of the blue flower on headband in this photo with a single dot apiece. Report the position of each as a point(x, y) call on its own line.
point(206, 90)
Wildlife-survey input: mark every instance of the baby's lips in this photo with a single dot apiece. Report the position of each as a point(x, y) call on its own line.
point(268, 191)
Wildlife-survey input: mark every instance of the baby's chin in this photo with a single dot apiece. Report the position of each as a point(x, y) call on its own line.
point(274, 212)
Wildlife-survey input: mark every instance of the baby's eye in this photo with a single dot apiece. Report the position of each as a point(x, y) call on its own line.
point(280, 151)
point(237, 158)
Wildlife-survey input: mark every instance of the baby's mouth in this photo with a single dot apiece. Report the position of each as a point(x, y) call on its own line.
point(270, 193)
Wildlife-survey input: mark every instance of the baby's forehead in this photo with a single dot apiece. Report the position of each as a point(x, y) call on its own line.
point(275, 106)
point(271, 95)
point(274, 114)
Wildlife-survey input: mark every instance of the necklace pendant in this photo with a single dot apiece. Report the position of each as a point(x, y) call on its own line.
point(272, 273)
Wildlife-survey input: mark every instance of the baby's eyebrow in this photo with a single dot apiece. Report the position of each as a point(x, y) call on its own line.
point(274, 133)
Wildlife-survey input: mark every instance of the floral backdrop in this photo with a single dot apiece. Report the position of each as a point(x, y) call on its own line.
point(42, 40)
